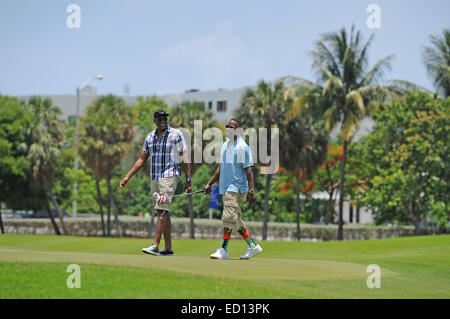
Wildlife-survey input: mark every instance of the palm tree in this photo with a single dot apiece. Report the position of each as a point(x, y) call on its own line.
point(347, 89)
point(105, 136)
point(90, 150)
point(437, 62)
point(303, 149)
point(44, 149)
point(183, 116)
point(263, 107)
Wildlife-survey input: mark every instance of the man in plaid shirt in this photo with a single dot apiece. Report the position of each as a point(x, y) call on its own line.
point(166, 147)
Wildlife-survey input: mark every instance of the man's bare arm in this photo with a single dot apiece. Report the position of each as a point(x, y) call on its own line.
point(212, 180)
point(215, 177)
point(186, 166)
point(251, 195)
point(136, 167)
point(249, 172)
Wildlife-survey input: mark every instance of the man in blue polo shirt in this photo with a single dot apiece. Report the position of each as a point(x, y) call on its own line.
point(236, 186)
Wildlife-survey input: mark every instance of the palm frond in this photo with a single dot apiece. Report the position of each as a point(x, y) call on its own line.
point(323, 53)
point(356, 102)
point(331, 118)
point(437, 61)
point(333, 83)
point(401, 87)
point(377, 71)
point(302, 104)
point(293, 81)
point(350, 126)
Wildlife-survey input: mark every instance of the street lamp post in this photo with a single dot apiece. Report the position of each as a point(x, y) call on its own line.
point(75, 184)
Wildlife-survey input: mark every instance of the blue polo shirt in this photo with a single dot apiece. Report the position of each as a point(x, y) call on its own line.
point(234, 158)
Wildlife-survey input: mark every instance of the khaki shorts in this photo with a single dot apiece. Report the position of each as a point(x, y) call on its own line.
point(166, 186)
point(231, 216)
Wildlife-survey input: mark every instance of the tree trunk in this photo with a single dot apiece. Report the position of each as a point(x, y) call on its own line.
point(116, 216)
point(341, 194)
point(297, 204)
point(52, 219)
point(1, 223)
point(55, 204)
point(61, 218)
point(422, 215)
point(417, 226)
point(330, 209)
point(110, 206)
point(428, 229)
point(414, 218)
point(191, 217)
point(108, 221)
point(100, 205)
point(350, 213)
point(266, 206)
point(357, 214)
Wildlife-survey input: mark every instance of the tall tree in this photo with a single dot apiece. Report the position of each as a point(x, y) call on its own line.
point(43, 149)
point(13, 164)
point(347, 89)
point(437, 61)
point(303, 149)
point(327, 178)
point(405, 158)
point(105, 136)
point(263, 107)
point(183, 116)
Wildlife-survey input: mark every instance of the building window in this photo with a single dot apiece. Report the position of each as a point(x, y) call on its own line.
point(221, 106)
point(210, 105)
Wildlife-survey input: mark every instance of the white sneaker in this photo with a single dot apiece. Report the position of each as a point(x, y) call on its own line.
point(252, 252)
point(152, 250)
point(220, 254)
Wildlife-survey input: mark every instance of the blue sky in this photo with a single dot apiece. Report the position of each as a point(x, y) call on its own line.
point(161, 47)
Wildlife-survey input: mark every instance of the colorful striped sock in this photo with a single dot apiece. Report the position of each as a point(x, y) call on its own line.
point(249, 240)
point(226, 239)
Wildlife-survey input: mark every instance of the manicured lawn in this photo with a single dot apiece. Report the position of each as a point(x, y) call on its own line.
point(34, 266)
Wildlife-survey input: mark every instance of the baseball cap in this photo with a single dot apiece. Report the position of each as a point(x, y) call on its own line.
point(160, 113)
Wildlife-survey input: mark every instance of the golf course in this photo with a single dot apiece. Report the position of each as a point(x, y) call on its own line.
point(35, 266)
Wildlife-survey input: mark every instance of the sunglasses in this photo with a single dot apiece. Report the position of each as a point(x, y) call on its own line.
point(229, 126)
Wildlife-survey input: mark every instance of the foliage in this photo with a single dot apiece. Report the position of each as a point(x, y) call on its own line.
point(13, 163)
point(406, 156)
point(183, 116)
point(43, 145)
point(263, 108)
point(105, 133)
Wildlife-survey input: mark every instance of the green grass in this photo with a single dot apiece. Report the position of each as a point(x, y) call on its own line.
point(34, 266)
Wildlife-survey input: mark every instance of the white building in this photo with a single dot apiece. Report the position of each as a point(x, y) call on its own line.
point(221, 103)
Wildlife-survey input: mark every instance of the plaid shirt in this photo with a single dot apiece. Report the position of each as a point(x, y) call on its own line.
point(165, 161)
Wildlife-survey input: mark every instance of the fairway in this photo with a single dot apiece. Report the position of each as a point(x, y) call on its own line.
point(34, 266)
